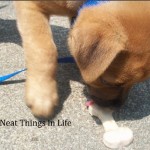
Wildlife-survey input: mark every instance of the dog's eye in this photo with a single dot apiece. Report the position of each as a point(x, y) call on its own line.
point(106, 83)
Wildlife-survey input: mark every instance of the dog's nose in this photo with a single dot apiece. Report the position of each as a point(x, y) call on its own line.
point(116, 103)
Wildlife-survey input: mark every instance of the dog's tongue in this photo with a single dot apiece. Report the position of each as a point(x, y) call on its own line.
point(89, 103)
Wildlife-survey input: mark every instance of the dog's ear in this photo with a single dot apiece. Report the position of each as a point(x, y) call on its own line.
point(94, 50)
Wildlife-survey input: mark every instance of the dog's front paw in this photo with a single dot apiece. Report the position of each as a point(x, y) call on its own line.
point(41, 97)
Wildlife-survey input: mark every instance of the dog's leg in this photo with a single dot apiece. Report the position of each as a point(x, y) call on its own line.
point(41, 59)
point(114, 137)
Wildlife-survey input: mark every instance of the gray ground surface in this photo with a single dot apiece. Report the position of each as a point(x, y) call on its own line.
point(85, 133)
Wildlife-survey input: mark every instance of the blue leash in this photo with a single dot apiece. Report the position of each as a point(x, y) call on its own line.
point(60, 60)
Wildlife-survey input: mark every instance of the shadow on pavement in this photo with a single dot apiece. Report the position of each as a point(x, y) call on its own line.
point(9, 32)
point(13, 82)
point(3, 6)
point(137, 105)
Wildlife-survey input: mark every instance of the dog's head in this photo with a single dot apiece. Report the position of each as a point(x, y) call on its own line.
point(107, 61)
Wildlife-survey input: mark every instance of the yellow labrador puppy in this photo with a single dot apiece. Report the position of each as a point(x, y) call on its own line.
point(111, 45)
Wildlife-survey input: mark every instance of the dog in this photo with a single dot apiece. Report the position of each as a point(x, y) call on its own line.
point(109, 43)
point(40, 50)
point(111, 46)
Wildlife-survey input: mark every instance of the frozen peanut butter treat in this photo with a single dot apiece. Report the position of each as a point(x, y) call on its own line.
point(114, 136)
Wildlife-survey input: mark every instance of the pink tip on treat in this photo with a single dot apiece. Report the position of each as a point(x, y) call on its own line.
point(89, 103)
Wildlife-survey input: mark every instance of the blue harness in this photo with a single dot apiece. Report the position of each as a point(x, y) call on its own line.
point(88, 3)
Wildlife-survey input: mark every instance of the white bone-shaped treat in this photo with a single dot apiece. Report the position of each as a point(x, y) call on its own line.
point(114, 136)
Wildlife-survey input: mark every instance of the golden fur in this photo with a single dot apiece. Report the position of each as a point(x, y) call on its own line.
point(40, 51)
point(111, 45)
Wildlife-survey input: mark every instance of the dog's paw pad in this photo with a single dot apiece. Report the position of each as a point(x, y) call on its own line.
point(118, 138)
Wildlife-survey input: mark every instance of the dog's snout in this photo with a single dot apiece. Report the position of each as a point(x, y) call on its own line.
point(107, 103)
